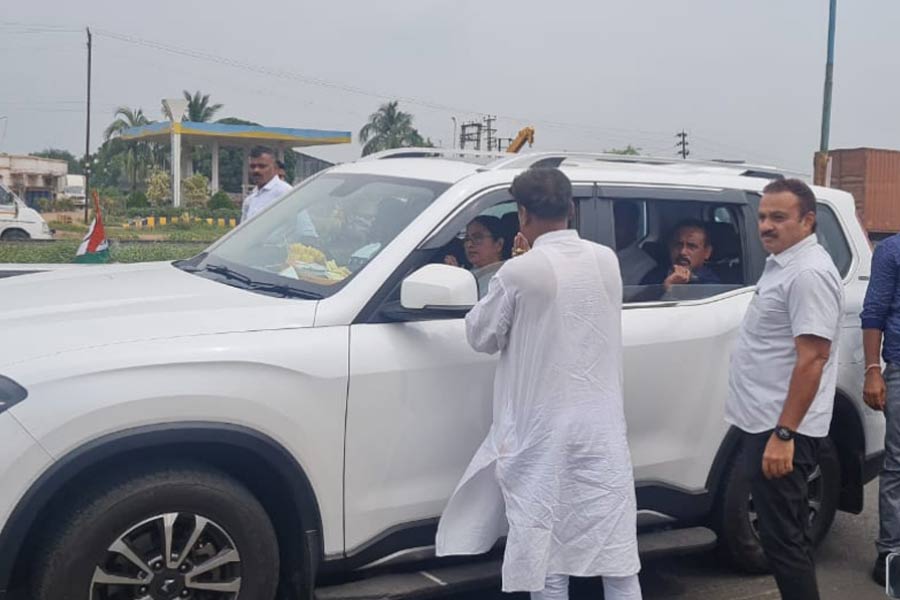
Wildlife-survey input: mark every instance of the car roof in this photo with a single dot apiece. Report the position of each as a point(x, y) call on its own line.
point(452, 166)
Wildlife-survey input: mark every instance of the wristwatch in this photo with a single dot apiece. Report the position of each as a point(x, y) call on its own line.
point(783, 433)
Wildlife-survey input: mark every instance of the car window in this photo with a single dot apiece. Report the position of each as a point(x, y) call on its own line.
point(677, 250)
point(6, 198)
point(832, 238)
point(319, 235)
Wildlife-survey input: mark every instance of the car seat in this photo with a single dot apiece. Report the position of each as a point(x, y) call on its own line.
point(726, 254)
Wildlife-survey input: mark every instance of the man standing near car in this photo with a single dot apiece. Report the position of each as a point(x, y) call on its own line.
point(783, 377)
point(264, 175)
point(555, 468)
point(881, 320)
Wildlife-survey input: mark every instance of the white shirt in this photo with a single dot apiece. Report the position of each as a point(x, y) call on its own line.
point(262, 197)
point(800, 293)
point(555, 466)
point(635, 264)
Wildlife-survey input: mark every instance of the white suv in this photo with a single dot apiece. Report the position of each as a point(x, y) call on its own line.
point(292, 403)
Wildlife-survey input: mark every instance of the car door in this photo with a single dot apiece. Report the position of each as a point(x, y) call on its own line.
point(677, 346)
point(419, 406)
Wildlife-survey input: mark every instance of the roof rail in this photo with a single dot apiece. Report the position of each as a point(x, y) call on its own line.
point(472, 156)
point(554, 159)
point(504, 160)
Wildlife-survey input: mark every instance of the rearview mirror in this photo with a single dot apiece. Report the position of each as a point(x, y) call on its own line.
point(892, 575)
point(439, 287)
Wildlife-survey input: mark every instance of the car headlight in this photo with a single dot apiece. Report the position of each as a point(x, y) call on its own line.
point(11, 393)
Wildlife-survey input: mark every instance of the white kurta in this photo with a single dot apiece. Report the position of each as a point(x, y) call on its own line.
point(556, 456)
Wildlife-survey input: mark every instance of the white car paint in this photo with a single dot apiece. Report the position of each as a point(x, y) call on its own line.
point(383, 418)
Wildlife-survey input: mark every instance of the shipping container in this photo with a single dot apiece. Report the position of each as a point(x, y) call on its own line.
point(873, 177)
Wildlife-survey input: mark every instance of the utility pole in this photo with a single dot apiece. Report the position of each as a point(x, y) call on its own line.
point(490, 131)
point(684, 152)
point(829, 72)
point(87, 133)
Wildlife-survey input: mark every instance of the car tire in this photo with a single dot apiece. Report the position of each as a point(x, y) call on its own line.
point(14, 235)
point(734, 519)
point(221, 543)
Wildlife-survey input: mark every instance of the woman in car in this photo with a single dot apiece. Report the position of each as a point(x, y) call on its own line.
point(483, 246)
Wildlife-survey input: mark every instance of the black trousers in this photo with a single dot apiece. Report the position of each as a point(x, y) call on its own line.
point(781, 505)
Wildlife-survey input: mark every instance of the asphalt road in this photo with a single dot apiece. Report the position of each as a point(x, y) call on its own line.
point(844, 562)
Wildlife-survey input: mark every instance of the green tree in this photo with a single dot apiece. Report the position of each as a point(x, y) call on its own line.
point(199, 110)
point(75, 166)
point(137, 153)
point(388, 128)
point(628, 150)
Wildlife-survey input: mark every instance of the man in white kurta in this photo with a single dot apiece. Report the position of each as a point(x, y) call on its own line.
point(556, 457)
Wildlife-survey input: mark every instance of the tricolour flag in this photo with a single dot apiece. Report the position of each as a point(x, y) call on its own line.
point(94, 247)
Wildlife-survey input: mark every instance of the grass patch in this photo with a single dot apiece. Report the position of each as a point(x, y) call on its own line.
point(63, 251)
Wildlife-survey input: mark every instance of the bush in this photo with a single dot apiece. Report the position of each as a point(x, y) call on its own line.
point(137, 199)
point(220, 200)
point(195, 190)
point(158, 190)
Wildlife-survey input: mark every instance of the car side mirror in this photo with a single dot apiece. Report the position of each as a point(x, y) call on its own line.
point(439, 287)
point(892, 575)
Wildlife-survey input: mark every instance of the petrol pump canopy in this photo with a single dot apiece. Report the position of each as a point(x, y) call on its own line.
point(238, 135)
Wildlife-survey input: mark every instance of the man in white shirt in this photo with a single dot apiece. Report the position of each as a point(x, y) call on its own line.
point(270, 187)
point(783, 377)
point(264, 175)
point(555, 468)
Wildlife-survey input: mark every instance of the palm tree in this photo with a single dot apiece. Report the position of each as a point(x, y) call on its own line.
point(125, 118)
point(389, 128)
point(199, 110)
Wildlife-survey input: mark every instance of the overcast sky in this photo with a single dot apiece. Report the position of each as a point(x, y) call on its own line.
point(744, 79)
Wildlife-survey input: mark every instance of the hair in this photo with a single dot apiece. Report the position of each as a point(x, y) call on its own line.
point(804, 194)
point(258, 151)
point(545, 192)
point(692, 224)
point(493, 224)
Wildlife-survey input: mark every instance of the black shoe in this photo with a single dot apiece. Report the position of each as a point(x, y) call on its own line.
point(878, 570)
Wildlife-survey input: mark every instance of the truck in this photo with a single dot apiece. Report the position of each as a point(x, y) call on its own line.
point(73, 189)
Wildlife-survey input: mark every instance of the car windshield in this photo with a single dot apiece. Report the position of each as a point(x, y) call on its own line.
point(315, 239)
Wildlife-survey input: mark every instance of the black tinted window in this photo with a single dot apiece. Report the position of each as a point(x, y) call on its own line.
point(831, 236)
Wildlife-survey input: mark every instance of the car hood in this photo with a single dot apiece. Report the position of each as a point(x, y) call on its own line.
point(92, 306)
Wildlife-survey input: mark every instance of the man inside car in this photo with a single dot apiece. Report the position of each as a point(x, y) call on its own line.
point(689, 249)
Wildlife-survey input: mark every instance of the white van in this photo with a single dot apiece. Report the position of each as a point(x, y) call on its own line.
point(18, 221)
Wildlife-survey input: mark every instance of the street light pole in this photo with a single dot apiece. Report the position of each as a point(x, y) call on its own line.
point(829, 74)
point(87, 133)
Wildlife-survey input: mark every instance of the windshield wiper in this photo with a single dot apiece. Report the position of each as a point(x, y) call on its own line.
point(247, 283)
point(283, 290)
point(228, 273)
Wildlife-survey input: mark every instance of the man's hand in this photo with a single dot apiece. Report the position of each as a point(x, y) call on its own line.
point(451, 260)
point(520, 245)
point(778, 458)
point(680, 275)
point(875, 391)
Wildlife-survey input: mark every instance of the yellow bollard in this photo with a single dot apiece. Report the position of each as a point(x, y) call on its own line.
point(126, 225)
point(151, 222)
point(232, 222)
point(162, 221)
point(209, 221)
point(221, 222)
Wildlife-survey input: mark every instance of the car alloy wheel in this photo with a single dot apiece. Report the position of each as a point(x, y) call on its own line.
point(169, 556)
